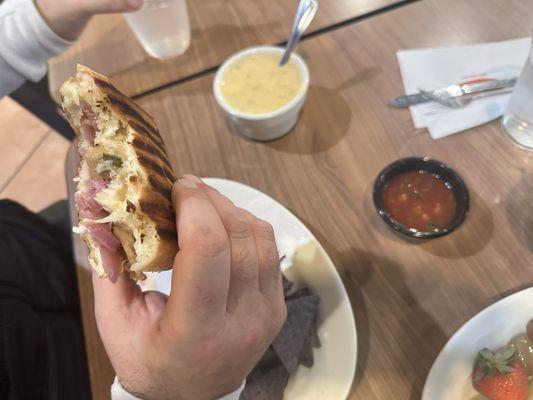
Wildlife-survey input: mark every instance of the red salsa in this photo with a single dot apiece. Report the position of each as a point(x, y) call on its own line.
point(419, 200)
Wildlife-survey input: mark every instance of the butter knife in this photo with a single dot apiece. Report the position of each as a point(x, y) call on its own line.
point(462, 89)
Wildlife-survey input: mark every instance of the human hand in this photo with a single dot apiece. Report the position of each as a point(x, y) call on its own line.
point(67, 18)
point(225, 307)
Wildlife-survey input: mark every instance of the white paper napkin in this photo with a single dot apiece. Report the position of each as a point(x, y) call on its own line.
point(431, 69)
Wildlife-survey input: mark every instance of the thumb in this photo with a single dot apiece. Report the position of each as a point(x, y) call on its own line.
point(89, 7)
point(200, 278)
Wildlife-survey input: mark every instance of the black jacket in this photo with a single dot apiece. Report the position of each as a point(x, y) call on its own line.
point(42, 352)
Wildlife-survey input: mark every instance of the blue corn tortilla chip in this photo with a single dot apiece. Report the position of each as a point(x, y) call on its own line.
point(287, 285)
point(268, 379)
point(315, 340)
point(293, 346)
point(302, 292)
point(301, 314)
point(312, 341)
point(306, 356)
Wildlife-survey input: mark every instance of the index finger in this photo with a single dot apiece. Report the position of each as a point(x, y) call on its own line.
point(112, 299)
point(201, 272)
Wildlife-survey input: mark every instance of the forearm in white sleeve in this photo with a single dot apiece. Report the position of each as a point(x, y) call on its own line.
point(119, 393)
point(26, 44)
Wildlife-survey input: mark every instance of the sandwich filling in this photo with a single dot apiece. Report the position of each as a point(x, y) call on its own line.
point(107, 192)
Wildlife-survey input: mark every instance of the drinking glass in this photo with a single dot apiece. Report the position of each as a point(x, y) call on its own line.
point(518, 118)
point(162, 27)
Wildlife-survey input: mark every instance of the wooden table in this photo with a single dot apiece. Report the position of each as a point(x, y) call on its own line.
point(408, 298)
point(219, 28)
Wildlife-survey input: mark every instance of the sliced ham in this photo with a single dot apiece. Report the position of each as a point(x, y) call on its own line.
point(110, 247)
point(88, 208)
point(94, 186)
point(101, 234)
point(87, 130)
point(86, 203)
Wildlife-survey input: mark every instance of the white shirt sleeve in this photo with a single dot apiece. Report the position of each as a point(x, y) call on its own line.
point(26, 44)
point(119, 393)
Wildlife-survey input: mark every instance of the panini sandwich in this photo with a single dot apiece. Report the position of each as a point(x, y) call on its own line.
point(124, 182)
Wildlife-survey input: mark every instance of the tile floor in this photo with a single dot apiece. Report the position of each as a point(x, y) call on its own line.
point(32, 158)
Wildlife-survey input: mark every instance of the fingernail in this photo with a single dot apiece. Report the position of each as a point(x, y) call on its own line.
point(192, 178)
point(187, 183)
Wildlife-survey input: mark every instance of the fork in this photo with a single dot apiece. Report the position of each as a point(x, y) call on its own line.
point(462, 101)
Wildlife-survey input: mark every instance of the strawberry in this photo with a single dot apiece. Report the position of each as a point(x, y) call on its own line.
point(500, 376)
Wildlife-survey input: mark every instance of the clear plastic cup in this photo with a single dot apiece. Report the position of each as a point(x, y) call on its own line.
point(162, 27)
point(518, 118)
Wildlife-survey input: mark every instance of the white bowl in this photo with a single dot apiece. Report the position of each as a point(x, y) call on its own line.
point(267, 126)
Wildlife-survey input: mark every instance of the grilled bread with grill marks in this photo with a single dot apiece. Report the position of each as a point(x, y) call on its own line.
point(124, 182)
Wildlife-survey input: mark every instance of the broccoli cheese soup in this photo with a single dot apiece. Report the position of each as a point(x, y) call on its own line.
point(256, 84)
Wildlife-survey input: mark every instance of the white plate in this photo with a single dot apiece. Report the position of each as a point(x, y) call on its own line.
point(307, 264)
point(493, 327)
